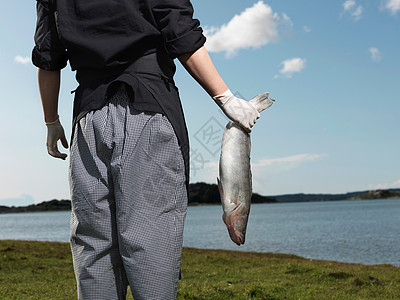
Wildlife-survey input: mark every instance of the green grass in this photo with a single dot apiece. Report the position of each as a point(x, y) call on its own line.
point(217, 274)
point(43, 270)
point(36, 270)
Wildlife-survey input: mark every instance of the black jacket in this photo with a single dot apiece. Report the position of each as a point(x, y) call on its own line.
point(111, 41)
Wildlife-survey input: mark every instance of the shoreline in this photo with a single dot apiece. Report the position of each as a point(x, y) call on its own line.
point(22, 209)
point(277, 254)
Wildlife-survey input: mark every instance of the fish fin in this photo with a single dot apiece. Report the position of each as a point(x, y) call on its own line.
point(229, 125)
point(221, 190)
point(262, 101)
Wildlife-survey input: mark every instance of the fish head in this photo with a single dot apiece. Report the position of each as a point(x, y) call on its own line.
point(235, 214)
point(236, 223)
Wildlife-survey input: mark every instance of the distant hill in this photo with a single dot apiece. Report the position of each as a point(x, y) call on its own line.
point(52, 205)
point(203, 193)
point(378, 194)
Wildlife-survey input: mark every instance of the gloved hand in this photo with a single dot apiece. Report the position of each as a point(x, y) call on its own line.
point(238, 110)
point(55, 132)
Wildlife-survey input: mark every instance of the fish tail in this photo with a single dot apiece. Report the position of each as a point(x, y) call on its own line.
point(262, 101)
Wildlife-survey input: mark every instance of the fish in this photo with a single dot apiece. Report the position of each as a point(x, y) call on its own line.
point(235, 179)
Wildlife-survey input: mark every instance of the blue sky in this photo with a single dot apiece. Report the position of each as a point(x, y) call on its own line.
point(332, 66)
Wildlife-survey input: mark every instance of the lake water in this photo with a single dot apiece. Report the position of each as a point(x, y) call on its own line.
point(362, 231)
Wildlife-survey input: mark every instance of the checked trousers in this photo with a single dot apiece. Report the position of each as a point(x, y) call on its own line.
point(129, 202)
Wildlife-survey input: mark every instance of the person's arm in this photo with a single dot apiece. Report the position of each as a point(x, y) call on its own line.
point(49, 86)
point(201, 68)
point(50, 56)
point(183, 39)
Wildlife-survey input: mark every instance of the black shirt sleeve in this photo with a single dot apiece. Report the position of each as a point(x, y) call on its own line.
point(48, 53)
point(181, 33)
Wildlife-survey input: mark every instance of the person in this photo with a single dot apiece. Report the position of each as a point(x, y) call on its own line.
point(129, 152)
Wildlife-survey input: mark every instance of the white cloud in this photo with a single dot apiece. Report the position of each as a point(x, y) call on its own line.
point(291, 66)
point(254, 27)
point(349, 6)
point(293, 160)
point(357, 13)
point(261, 169)
point(286, 19)
point(375, 54)
point(266, 168)
point(381, 186)
point(306, 29)
point(393, 6)
point(22, 59)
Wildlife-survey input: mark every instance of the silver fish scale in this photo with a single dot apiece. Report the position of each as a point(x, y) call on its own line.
point(234, 167)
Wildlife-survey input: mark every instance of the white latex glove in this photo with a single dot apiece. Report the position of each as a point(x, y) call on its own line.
point(238, 110)
point(55, 132)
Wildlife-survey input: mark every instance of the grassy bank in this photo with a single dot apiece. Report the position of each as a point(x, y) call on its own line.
point(43, 270)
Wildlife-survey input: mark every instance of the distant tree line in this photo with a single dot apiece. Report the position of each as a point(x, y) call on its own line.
point(52, 205)
point(379, 194)
point(203, 193)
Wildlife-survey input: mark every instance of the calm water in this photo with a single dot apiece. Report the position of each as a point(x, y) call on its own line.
point(350, 231)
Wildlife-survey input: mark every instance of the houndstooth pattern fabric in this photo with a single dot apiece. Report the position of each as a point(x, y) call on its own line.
point(129, 203)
